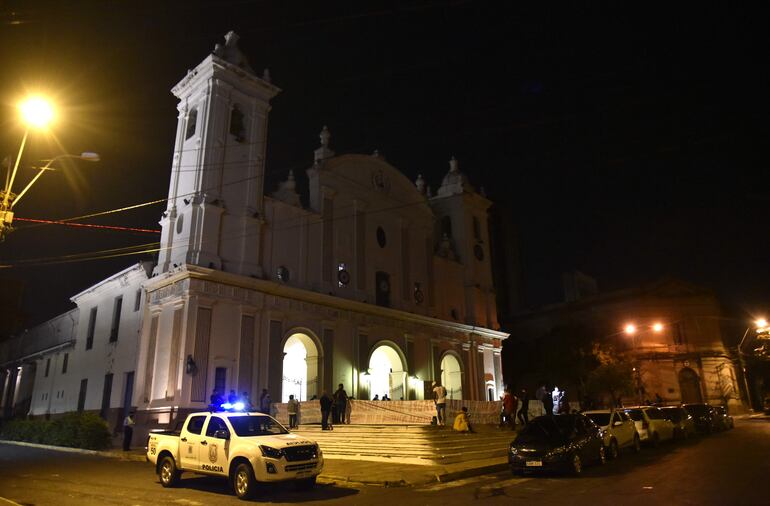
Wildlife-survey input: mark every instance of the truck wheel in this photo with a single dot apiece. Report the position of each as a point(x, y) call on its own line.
point(244, 482)
point(168, 474)
point(305, 483)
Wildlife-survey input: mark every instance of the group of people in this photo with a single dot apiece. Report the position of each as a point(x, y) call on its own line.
point(337, 406)
point(462, 422)
point(512, 410)
point(554, 402)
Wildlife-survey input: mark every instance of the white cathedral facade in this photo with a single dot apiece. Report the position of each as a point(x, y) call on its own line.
point(375, 284)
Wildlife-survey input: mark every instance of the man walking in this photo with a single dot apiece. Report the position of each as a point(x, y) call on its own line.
point(128, 430)
point(439, 398)
point(524, 410)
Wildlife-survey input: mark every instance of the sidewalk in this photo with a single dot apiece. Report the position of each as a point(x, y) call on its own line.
point(384, 474)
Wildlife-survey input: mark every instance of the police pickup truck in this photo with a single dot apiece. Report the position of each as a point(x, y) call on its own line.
point(244, 447)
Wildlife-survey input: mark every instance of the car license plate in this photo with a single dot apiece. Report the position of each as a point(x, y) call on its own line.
point(534, 463)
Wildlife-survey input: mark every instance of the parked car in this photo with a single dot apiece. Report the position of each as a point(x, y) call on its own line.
point(702, 416)
point(722, 419)
point(557, 443)
point(684, 426)
point(618, 430)
point(651, 425)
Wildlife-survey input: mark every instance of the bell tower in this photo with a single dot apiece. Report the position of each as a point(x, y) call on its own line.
point(214, 212)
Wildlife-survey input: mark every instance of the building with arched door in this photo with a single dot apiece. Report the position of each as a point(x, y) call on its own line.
point(375, 283)
point(677, 348)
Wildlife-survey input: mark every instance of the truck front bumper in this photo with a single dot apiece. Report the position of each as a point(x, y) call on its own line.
point(267, 470)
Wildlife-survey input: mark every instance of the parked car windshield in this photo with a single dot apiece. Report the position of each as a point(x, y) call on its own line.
point(250, 425)
point(697, 409)
point(635, 414)
point(600, 419)
point(673, 414)
point(541, 430)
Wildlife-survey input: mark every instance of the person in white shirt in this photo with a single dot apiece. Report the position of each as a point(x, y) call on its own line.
point(439, 398)
point(291, 407)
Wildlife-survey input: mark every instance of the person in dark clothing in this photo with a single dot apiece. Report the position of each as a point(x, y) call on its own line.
point(524, 410)
point(233, 397)
point(216, 400)
point(340, 404)
point(544, 396)
point(326, 406)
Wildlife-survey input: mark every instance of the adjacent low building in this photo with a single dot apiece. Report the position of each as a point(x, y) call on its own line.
point(670, 330)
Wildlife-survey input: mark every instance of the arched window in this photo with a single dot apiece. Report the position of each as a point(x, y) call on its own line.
point(446, 226)
point(237, 126)
point(192, 122)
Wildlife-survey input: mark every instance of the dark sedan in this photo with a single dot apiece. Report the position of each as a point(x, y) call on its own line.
point(557, 443)
point(702, 416)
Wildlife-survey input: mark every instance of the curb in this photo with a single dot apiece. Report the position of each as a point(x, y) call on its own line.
point(101, 453)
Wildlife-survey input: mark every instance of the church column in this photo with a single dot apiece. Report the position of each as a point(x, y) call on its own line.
point(359, 218)
point(327, 246)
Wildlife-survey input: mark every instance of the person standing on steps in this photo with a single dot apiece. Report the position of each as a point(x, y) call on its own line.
point(326, 408)
point(291, 408)
point(264, 402)
point(340, 403)
point(439, 398)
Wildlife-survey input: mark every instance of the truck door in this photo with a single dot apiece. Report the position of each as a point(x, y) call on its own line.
point(189, 442)
point(215, 447)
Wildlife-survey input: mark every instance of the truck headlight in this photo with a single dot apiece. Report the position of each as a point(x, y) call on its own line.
point(269, 451)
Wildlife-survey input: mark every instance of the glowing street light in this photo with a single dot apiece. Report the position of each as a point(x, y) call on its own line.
point(630, 329)
point(657, 327)
point(36, 112)
point(761, 324)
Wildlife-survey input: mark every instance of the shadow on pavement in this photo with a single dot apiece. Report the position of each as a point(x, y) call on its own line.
point(278, 492)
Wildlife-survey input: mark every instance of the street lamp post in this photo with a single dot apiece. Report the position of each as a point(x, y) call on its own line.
point(761, 325)
point(36, 113)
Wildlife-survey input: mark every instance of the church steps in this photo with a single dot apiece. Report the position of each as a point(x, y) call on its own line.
point(424, 445)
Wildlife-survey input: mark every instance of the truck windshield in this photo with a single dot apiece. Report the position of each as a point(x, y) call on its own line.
point(250, 425)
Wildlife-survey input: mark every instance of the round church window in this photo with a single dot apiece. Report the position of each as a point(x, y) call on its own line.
point(381, 239)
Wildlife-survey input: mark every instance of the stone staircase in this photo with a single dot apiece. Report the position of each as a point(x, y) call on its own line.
point(409, 444)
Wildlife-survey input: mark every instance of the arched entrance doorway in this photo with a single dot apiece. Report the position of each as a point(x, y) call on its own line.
point(300, 368)
point(689, 385)
point(386, 373)
point(452, 376)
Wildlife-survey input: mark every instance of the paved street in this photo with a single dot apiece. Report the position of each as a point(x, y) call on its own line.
point(726, 468)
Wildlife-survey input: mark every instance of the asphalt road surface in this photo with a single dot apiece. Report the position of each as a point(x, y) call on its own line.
point(728, 468)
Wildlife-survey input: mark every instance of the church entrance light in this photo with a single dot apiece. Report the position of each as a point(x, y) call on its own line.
point(300, 368)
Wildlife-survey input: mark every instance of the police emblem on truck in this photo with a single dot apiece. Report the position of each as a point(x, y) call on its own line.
point(213, 453)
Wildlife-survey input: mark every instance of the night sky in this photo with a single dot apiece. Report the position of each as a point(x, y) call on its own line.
point(628, 144)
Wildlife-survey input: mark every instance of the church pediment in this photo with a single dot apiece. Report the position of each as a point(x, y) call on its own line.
point(372, 178)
